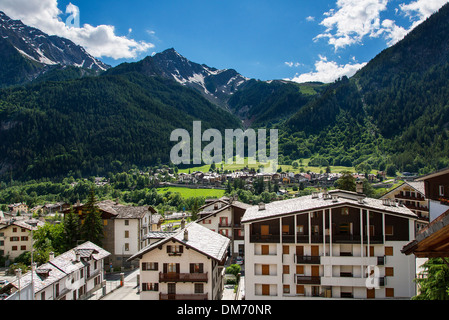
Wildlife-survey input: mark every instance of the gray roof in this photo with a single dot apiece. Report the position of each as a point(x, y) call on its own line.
point(61, 266)
point(417, 185)
point(309, 203)
point(158, 234)
point(201, 239)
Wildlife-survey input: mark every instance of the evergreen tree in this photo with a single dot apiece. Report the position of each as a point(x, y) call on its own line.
point(435, 283)
point(71, 229)
point(346, 182)
point(92, 228)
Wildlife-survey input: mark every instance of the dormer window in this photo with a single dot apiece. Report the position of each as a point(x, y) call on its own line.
point(175, 250)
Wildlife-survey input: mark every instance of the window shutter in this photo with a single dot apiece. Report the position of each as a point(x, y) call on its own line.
point(177, 268)
point(201, 268)
point(181, 249)
point(192, 268)
point(165, 267)
point(168, 249)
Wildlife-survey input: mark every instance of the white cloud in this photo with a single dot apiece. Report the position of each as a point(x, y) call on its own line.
point(310, 18)
point(292, 64)
point(353, 20)
point(100, 41)
point(328, 71)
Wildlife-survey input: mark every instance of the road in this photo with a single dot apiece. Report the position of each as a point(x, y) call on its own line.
point(129, 289)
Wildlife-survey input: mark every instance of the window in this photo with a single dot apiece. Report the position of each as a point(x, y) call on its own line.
point(389, 271)
point(24, 238)
point(23, 248)
point(14, 239)
point(389, 230)
point(389, 292)
point(265, 270)
point(14, 229)
point(81, 273)
point(285, 249)
point(126, 222)
point(345, 211)
point(388, 251)
point(300, 229)
point(175, 250)
point(196, 268)
point(441, 189)
point(126, 246)
point(14, 248)
point(126, 234)
point(265, 250)
point(286, 269)
point(199, 288)
point(286, 288)
point(299, 289)
point(43, 295)
point(285, 229)
point(150, 266)
point(299, 269)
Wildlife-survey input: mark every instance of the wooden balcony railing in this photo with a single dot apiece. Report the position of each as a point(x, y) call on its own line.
point(183, 277)
point(194, 296)
point(308, 280)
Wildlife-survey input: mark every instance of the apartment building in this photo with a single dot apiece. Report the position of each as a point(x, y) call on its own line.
point(184, 265)
point(224, 216)
point(335, 244)
point(15, 236)
point(72, 275)
point(124, 228)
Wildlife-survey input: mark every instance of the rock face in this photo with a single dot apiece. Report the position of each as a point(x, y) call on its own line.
point(39, 50)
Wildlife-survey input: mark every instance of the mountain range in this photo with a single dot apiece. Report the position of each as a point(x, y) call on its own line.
point(64, 112)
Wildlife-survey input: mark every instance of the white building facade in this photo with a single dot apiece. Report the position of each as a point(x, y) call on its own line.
point(333, 245)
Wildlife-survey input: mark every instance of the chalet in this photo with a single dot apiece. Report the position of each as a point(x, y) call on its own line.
point(15, 236)
point(183, 265)
point(436, 186)
point(226, 220)
point(18, 208)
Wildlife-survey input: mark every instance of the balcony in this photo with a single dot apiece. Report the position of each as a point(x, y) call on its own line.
point(257, 238)
point(183, 277)
point(174, 296)
point(409, 197)
point(307, 259)
point(308, 280)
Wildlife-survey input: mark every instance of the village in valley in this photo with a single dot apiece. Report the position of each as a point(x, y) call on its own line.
point(320, 244)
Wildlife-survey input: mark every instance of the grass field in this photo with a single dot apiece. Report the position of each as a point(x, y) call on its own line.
point(285, 168)
point(189, 193)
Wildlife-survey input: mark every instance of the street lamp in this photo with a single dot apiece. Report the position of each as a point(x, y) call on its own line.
point(33, 225)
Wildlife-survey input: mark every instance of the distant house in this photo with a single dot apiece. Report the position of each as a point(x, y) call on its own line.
point(183, 265)
point(72, 275)
point(412, 195)
point(436, 187)
point(18, 208)
point(15, 236)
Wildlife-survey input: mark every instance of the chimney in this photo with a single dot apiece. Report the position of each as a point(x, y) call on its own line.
point(78, 256)
point(261, 206)
point(51, 256)
point(183, 223)
point(359, 187)
point(186, 235)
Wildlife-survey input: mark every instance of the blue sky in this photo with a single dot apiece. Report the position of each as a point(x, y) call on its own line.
point(285, 39)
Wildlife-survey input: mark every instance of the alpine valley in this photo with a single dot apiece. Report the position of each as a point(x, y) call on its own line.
point(63, 112)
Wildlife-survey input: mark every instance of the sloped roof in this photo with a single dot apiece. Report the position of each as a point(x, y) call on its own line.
point(309, 203)
point(201, 239)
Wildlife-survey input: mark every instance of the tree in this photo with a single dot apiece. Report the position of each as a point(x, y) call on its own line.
point(92, 228)
point(346, 181)
point(434, 285)
point(72, 231)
